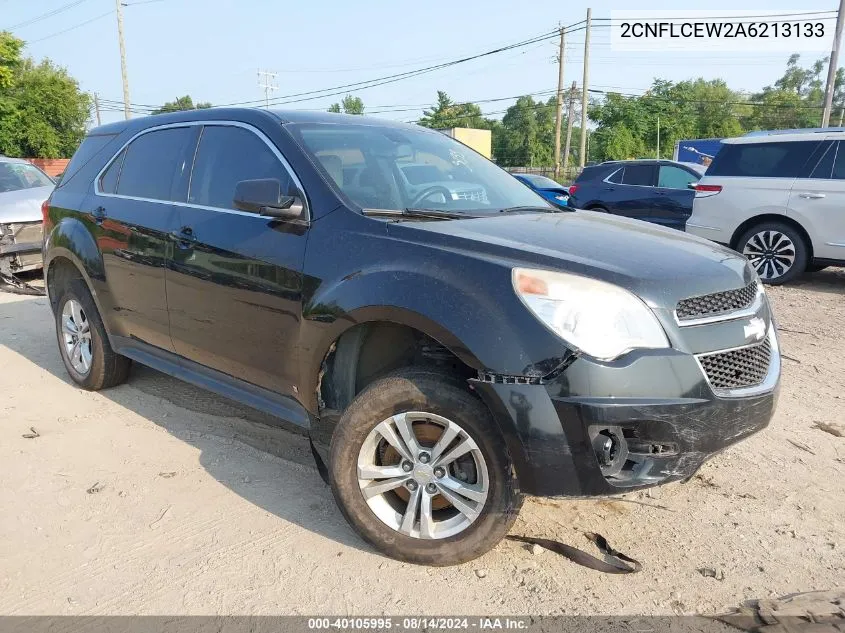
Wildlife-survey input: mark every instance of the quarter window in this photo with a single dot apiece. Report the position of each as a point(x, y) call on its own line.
point(226, 156)
point(671, 177)
point(839, 162)
point(156, 164)
point(108, 183)
point(825, 165)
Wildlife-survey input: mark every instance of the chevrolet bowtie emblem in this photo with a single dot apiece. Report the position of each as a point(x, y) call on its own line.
point(755, 330)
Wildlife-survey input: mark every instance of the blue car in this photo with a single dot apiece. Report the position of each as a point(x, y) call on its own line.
point(652, 190)
point(554, 192)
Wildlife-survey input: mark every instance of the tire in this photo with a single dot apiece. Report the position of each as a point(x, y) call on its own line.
point(599, 209)
point(782, 251)
point(814, 268)
point(105, 368)
point(430, 402)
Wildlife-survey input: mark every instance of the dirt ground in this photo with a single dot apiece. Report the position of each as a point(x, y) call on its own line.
point(158, 498)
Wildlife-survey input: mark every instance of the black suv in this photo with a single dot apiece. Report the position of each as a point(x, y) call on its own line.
point(445, 350)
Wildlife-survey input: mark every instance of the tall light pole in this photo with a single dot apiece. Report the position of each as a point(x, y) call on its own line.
point(126, 111)
point(832, 66)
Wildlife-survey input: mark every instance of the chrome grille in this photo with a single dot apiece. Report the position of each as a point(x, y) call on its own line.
point(476, 195)
point(716, 303)
point(739, 368)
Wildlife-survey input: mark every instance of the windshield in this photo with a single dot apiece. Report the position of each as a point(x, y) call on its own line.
point(542, 182)
point(17, 176)
point(382, 167)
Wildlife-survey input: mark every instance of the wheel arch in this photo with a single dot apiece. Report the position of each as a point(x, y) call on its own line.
point(772, 217)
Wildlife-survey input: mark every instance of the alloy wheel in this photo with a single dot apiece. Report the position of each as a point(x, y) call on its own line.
point(76, 334)
point(423, 475)
point(771, 253)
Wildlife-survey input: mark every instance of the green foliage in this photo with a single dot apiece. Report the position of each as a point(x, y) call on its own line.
point(349, 105)
point(448, 114)
point(182, 103)
point(42, 111)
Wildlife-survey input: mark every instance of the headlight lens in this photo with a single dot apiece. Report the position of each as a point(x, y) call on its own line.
point(600, 319)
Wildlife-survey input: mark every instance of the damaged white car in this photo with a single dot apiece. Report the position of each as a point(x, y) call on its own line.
point(23, 188)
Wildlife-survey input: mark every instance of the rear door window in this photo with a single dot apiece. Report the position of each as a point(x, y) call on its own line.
point(839, 162)
point(671, 177)
point(642, 175)
point(762, 160)
point(227, 155)
point(616, 177)
point(824, 167)
point(157, 164)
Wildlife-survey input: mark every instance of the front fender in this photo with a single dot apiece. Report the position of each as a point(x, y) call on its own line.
point(488, 330)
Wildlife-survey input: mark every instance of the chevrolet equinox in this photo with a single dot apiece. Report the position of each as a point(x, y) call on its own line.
point(447, 340)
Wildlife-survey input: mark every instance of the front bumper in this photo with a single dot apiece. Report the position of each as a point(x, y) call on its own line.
point(665, 417)
point(20, 247)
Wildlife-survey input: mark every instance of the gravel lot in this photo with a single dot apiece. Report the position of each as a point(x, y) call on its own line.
point(158, 498)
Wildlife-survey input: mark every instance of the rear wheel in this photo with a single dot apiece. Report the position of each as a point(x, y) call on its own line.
point(419, 469)
point(776, 251)
point(83, 343)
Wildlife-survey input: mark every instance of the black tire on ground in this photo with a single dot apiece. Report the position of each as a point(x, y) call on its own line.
point(598, 209)
point(814, 268)
point(108, 369)
point(799, 264)
point(430, 392)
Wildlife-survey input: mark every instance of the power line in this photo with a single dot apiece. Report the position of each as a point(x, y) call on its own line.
point(44, 16)
point(71, 28)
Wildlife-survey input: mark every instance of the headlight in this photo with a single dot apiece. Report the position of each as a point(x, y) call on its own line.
point(600, 319)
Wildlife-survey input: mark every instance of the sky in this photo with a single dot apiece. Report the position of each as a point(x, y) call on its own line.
point(213, 49)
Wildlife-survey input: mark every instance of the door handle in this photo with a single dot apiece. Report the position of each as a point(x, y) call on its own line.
point(184, 237)
point(810, 195)
point(99, 215)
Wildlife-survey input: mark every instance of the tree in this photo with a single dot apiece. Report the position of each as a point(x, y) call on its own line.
point(350, 105)
point(182, 103)
point(42, 110)
point(448, 114)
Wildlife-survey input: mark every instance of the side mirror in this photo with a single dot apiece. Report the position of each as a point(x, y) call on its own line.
point(264, 197)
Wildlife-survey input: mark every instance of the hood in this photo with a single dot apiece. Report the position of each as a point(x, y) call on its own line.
point(658, 264)
point(23, 205)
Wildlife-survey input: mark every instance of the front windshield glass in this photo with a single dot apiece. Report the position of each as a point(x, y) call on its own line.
point(17, 176)
point(541, 181)
point(381, 167)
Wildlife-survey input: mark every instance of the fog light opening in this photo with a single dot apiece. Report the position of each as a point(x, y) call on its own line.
point(609, 447)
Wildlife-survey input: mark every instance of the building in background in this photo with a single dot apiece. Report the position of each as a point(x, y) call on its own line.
point(479, 140)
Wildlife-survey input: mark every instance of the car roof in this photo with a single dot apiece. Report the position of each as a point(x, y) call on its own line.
point(9, 159)
point(246, 115)
point(786, 138)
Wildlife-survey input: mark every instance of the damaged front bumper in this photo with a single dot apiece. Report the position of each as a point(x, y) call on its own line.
point(20, 247)
point(604, 428)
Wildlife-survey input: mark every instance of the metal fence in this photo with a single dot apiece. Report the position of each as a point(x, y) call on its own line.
point(566, 176)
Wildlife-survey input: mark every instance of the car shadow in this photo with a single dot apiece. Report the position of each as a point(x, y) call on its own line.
point(214, 425)
point(830, 280)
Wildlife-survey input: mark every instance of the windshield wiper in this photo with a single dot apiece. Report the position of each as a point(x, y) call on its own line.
point(530, 208)
point(423, 214)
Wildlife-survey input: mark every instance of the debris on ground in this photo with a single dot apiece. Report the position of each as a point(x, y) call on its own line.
point(801, 445)
point(481, 573)
point(537, 549)
point(811, 612)
point(168, 475)
point(833, 429)
point(97, 487)
point(709, 572)
point(32, 434)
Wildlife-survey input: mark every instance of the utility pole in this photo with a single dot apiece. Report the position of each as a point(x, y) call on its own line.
point(559, 113)
point(582, 157)
point(658, 137)
point(570, 113)
point(832, 66)
point(97, 107)
point(267, 81)
point(126, 111)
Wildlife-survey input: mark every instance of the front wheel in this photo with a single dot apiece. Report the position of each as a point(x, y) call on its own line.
point(419, 469)
point(776, 250)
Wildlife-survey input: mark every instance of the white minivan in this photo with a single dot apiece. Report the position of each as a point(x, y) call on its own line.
point(779, 200)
